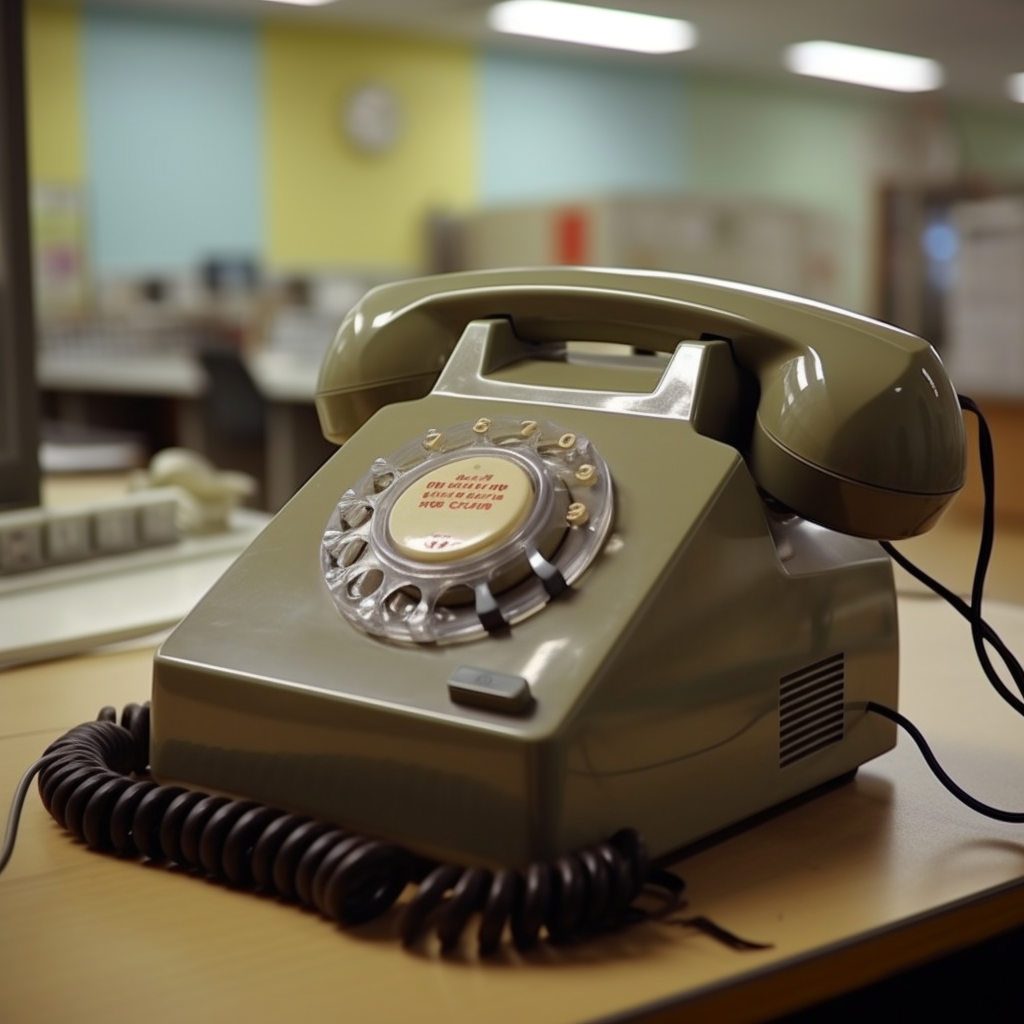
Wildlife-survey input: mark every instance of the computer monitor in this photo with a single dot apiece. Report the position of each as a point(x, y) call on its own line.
point(19, 411)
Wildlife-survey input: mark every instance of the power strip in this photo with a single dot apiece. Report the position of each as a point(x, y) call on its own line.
point(40, 538)
point(75, 578)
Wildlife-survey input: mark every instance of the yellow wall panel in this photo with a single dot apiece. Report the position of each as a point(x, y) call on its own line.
point(54, 77)
point(330, 205)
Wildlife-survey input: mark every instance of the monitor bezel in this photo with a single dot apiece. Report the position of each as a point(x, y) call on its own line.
point(19, 404)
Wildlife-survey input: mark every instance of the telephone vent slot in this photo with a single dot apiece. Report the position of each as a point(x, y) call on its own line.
point(811, 709)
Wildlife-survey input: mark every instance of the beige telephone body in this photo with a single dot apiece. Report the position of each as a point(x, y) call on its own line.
point(535, 598)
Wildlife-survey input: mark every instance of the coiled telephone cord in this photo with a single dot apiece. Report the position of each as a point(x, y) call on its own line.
point(93, 782)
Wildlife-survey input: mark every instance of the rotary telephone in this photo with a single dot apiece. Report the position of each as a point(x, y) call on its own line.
point(530, 601)
point(541, 603)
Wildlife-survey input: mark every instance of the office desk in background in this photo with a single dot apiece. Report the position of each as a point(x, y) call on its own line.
point(870, 878)
point(167, 395)
point(295, 447)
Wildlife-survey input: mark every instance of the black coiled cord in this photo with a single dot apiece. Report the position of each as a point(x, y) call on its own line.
point(94, 783)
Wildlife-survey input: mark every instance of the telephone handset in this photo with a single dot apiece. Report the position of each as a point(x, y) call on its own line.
point(857, 426)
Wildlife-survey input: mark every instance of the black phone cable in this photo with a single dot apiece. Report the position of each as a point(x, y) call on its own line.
point(1015, 817)
point(17, 805)
point(982, 633)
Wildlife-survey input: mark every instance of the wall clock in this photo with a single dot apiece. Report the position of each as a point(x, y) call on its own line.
point(372, 117)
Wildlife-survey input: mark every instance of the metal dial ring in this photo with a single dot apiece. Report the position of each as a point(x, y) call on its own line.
point(479, 555)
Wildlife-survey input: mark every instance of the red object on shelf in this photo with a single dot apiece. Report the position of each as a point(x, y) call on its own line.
point(571, 230)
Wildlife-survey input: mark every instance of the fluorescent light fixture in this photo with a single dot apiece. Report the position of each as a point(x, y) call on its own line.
point(592, 26)
point(1015, 87)
point(301, 3)
point(860, 65)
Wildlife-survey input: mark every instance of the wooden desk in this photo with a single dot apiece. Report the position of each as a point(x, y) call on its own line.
point(882, 873)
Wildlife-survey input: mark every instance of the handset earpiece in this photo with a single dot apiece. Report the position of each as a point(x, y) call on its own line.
point(865, 439)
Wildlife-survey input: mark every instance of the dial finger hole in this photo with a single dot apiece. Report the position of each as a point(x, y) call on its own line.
point(347, 555)
point(403, 602)
point(460, 594)
point(355, 515)
point(365, 584)
point(383, 477)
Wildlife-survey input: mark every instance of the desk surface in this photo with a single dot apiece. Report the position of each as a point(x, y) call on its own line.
point(876, 875)
point(165, 374)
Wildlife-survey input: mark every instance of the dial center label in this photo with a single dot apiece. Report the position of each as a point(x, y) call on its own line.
point(460, 509)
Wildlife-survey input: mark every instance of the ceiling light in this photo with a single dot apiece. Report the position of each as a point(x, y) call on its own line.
point(1015, 87)
point(592, 26)
point(302, 3)
point(862, 66)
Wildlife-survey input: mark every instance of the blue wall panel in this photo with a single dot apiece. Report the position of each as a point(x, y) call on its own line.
point(173, 115)
point(556, 129)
